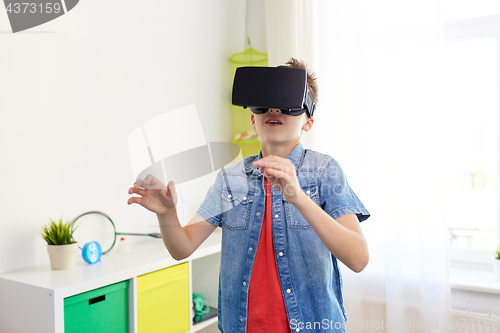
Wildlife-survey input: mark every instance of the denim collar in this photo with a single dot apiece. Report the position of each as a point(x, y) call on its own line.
point(296, 156)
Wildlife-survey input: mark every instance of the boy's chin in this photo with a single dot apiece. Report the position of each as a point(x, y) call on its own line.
point(278, 139)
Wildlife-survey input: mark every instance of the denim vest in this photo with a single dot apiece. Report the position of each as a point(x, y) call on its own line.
point(310, 279)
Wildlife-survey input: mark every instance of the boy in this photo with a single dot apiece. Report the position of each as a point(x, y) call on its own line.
point(286, 215)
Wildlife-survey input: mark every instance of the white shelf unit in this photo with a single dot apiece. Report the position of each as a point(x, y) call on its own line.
point(203, 271)
point(32, 299)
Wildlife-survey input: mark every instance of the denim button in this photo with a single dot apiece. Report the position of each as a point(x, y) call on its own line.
point(276, 216)
point(244, 283)
point(288, 291)
point(308, 192)
point(297, 329)
point(241, 319)
point(249, 249)
point(280, 254)
point(244, 198)
point(257, 214)
point(229, 195)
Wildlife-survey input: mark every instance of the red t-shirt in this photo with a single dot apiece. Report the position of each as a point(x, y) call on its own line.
point(266, 308)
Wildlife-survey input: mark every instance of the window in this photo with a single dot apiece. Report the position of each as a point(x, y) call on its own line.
point(470, 61)
point(454, 10)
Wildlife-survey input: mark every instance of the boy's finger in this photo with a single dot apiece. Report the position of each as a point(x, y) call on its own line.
point(136, 189)
point(173, 193)
point(272, 158)
point(267, 162)
point(132, 200)
point(275, 173)
point(278, 166)
point(149, 178)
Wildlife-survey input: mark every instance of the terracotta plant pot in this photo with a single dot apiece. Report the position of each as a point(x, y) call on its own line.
point(62, 256)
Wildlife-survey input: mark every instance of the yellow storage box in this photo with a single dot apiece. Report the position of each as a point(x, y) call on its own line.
point(163, 300)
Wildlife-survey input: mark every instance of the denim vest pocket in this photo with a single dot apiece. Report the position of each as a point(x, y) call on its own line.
point(236, 207)
point(294, 219)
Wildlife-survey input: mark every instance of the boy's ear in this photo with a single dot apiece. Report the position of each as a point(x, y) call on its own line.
point(307, 126)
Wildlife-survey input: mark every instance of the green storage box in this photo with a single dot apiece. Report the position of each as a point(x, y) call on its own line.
point(100, 310)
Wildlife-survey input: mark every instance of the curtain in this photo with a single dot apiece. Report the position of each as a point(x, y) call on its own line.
point(290, 32)
point(379, 114)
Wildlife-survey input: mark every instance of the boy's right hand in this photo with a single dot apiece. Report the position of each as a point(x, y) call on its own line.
point(154, 195)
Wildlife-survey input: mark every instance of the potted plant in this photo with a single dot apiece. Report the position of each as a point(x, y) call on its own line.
point(496, 264)
point(60, 244)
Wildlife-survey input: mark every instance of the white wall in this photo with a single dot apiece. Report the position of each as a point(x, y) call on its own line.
point(73, 89)
point(256, 27)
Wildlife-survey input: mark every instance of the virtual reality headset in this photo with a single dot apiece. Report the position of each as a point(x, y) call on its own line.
point(282, 87)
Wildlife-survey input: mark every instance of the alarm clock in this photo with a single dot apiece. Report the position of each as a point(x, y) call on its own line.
point(92, 252)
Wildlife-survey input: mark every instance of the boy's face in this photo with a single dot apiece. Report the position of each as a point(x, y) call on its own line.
point(289, 129)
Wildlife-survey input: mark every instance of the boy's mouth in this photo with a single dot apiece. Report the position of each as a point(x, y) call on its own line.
point(273, 121)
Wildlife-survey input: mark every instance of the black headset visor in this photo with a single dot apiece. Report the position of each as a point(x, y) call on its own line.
point(261, 88)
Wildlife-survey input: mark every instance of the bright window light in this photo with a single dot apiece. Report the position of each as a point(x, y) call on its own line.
point(470, 101)
point(453, 10)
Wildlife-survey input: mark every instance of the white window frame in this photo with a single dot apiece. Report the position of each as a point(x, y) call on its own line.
point(467, 29)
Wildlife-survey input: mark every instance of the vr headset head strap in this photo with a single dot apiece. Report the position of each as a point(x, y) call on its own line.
point(309, 105)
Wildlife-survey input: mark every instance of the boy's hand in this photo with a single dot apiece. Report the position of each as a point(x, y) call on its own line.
point(281, 173)
point(154, 195)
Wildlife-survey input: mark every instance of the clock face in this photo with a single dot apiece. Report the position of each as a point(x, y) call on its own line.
point(92, 252)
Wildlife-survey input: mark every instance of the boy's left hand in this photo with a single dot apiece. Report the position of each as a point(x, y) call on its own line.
point(281, 173)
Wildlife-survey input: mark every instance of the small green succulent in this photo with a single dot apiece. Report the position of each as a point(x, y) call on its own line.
point(57, 233)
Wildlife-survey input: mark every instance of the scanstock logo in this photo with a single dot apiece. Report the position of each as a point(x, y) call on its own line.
point(26, 14)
